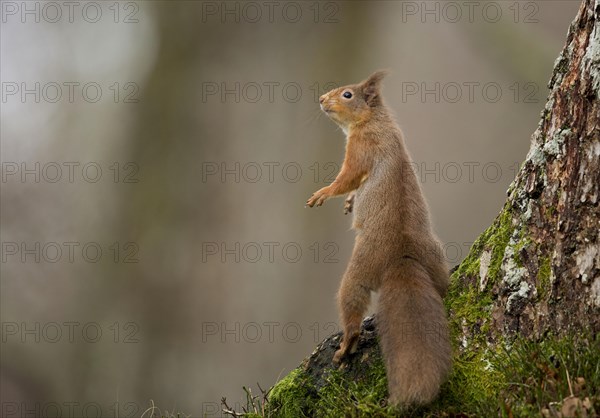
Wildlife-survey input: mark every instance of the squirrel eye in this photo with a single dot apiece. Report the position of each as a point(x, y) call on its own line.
point(347, 95)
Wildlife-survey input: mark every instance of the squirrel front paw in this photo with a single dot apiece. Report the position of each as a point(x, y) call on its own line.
point(318, 197)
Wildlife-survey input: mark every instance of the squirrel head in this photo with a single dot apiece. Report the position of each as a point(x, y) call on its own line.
point(354, 103)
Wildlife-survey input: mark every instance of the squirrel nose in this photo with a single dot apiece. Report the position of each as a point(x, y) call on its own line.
point(321, 99)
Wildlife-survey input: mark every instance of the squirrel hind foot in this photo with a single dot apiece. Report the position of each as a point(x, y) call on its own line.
point(337, 357)
point(346, 348)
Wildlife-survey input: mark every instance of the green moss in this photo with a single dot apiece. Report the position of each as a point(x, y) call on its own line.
point(524, 242)
point(497, 242)
point(289, 397)
point(519, 379)
point(494, 239)
point(355, 398)
point(551, 211)
point(469, 306)
point(471, 310)
point(538, 373)
point(472, 388)
point(295, 395)
point(523, 378)
point(543, 277)
point(470, 265)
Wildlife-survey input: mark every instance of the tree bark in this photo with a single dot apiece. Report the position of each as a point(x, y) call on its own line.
point(540, 261)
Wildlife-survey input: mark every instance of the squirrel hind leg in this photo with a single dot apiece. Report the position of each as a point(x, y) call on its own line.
point(353, 300)
point(362, 275)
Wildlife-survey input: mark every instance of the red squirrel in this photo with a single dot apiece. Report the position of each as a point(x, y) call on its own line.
point(395, 251)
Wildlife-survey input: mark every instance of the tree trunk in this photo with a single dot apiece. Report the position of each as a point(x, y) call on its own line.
point(539, 263)
point(533, 277)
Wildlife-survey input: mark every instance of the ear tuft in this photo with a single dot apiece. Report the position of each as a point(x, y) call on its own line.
point(371, 87)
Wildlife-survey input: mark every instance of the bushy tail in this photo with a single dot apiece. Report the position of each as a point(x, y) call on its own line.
point(414, 334)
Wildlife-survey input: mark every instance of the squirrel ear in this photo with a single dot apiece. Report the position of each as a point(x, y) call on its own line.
point(371, 87)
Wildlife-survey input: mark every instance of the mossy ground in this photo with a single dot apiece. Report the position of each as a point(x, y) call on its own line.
point(519, 377)
point(340, 396)
point(290, 395)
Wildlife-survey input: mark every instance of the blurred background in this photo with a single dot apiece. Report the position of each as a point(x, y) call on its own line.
point(156, 158)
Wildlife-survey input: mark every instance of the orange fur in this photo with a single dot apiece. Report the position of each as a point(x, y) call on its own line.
point(395, 250)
